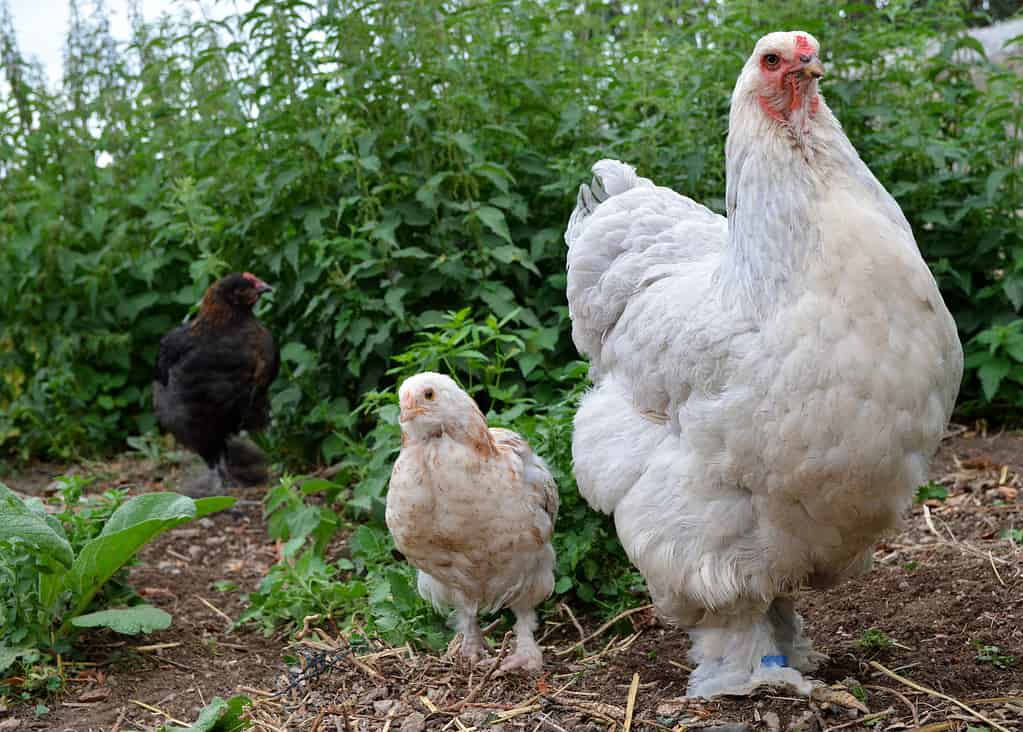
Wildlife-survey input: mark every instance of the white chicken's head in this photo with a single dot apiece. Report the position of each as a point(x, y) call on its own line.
point(781, 76)
point(433, 403)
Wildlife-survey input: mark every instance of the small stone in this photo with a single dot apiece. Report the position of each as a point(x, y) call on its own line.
point(206, 522)
point(414, 722)
point(384, 706)
point(772, 721)
point(9, 724)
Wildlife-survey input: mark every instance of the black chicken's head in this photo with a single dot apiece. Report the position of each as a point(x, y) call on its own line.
point(238, 289)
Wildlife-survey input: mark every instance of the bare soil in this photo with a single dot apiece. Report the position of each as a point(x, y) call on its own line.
point(947, 593)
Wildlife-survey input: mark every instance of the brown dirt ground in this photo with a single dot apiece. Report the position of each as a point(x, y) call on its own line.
point(942, 589)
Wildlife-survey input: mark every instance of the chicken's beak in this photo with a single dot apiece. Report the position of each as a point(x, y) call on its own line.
point(262, 287)
point(813, 69)
point(409, 410)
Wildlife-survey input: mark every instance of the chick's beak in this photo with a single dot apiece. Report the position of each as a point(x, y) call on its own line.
point(408, 409)
point(262, 287)
point(813, 69)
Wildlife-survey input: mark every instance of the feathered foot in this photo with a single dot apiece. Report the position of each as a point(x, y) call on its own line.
point(245, 462)
point(788, 633)
point(474, 648)
point(736, 654)
point(527, 656)
point(210, 483)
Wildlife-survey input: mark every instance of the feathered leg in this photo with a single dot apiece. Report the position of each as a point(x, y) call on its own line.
point(788, 633)
point(527, 656)
point(473, 646)
point(736, 653)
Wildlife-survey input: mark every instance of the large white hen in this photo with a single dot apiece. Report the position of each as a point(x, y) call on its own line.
point(473, 509)
point(768, 388)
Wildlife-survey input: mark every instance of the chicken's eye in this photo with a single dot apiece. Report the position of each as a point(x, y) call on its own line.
point(772, 60)
point(428, 395)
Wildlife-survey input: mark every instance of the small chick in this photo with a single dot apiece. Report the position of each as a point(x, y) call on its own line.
point(473, 509)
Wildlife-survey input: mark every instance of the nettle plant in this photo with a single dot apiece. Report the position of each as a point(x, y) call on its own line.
point(59, 570)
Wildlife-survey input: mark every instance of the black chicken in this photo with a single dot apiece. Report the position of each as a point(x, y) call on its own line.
point(212, 378)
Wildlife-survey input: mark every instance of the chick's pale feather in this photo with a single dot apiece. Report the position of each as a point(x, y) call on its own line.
point(769, 387)
point(473, 509)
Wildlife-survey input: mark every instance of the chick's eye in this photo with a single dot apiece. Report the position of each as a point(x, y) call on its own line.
point(428, 394)
point(772, 60)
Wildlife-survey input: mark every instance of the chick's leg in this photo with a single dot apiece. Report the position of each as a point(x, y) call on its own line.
point(473, 646)
point(737, 652)
point(527, 656)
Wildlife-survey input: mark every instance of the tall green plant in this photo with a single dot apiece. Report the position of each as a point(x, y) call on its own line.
point(384, 163)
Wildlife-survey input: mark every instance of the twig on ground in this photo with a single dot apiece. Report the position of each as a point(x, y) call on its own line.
point(905, 700)
point(991, 559)
point(571, 616)
point(474, 692)
point(120, 720)
point(214, 608)
point(863, 720)
point(938, 694)
point(155, 710)
point(602, 629)
point(155, 647)
point(630, 702)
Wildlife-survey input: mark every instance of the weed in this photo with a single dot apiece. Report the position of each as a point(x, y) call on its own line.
point(57, 568)
point(993, 655)
point(930, 491)
point(874, 641)
point(1014, 535)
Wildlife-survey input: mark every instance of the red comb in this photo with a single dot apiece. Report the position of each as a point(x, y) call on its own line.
point(251, 277)
point(803, 45)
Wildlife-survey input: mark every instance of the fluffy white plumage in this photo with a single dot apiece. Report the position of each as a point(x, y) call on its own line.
point(768, 388)
point(473, 509)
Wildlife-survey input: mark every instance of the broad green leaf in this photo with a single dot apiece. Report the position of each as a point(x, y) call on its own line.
point(9, 655)
point(218, 716)
point(129, 621)
point(493, 219)
point(18, 522)
point(991, 375)
point(206, 506)
point(164, 506)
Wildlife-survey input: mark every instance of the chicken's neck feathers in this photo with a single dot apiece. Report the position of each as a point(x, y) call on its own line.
point(776, 176)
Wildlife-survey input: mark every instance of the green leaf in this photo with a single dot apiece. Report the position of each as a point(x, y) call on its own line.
point(206, 506)
point(20, 523)
point(493, 219)
point(128, 530)
point(218, 716)
point(9, 655)
point(164, 506)
point(991, 375)
point(129, 621)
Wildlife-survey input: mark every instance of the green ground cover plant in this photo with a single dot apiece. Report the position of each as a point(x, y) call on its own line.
point(57, 567)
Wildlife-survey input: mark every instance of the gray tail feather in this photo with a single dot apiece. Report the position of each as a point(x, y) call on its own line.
point(610, 177)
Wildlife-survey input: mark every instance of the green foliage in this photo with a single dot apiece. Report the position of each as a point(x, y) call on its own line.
point(56, 566)
point(874, 641)
point(993, 655)
point(218, 716)
point(1013, 535)
point(930, 491)
point(383, 163)
point(369, 589)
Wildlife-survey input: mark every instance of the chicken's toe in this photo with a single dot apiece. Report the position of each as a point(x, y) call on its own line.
point(526, 659)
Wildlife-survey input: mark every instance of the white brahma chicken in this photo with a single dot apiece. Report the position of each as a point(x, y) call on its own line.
point(472, 509)
point(768, 388)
